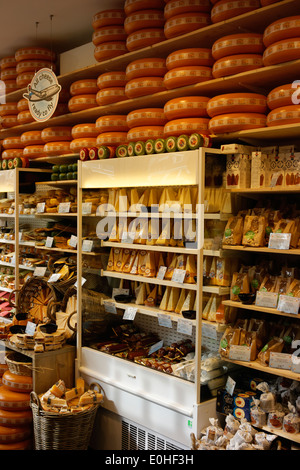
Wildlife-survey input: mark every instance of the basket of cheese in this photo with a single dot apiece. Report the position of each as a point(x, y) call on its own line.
point(63, 418)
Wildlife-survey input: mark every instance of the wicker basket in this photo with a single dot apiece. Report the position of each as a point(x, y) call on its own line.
point(19, 364)
point(54, 431)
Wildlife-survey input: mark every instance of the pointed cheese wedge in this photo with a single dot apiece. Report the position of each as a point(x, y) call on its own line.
point(173, 299)
point(164, 302)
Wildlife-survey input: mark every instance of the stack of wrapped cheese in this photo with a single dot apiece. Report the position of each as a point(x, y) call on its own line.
point(109, 36)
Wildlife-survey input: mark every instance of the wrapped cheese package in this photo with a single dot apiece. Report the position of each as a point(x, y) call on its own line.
point(233, 231)
point(254, 231)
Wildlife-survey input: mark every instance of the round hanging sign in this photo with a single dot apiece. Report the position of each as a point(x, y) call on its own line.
point(42, 94)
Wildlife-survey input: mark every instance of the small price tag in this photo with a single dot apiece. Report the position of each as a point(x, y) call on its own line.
point(64, 207)
point(40, 271)
point(118, 291)
point(87, 245)
point(49, 242)
point(164, 320)
point(280, 360)
point(86, 208)
point(128, 237)
point(82, 282)
point(155, 347)
point(73, 241)
point(20, 236)
point(266, 299)
point(184, 326)
point(40, 207)
point(109, 307)
point(161, 272)
point(54, 277)
point(30, 328)
point(230, 385)
point(178, 275)
point(130, 313)
point(288, 304)
point(279, 241)
point(239, 353)
point(209, 331)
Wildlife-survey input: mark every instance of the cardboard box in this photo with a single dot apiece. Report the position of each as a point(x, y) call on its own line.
point(237, 148)
point(292, 170)
point(259, 170)
point(77, 58)
point(238, 171)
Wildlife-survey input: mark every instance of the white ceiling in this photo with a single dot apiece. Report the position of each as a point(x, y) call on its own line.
point(70, 27)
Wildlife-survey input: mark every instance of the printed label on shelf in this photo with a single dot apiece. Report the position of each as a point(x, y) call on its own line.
point(209, 331)
point(239, 353)
point(40, 271)
point(179, 275)
point(83, 280)
point(109, 307)
point(119, 291)
point(73, 241)
point(161, 272)
point(86, 208)
point(266, 299)
point(130, 313)
point(164, 320)
point(280, 360)
point(87, 245)
point(30, 328)
point(288, 304)
point(54, 277)
point(49, 242)
point(64, 207)
point(230, 385)
point(184, 326)
point(280, 241)
point(155, 347)
point(40, 207)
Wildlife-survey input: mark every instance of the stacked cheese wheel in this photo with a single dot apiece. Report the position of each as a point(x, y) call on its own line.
point(111, 87)
point(234, 112)
point(24, 115)
point(145, 77)
point(284, 103)
point(112, 130)
point(13, 152)
point(282, 41)
point(83, 136)
point(187, 67)
point(184, 16)
point(83, 94)
point(226, 9)
point(8, 74)
point(146, 123)
point(33, 144)
point(9, 114)
point(30, 60)
point(57, 140)
point(237, 53)
point(109, 36)
point(186, 115)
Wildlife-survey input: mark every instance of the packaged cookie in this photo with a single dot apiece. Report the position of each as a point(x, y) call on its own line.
point(239, 285)
point(254, 231)
point(291, 421)
point(275, 418)
point(268, 284)
point(274, 345)
point(233, 231)
point(258, 416)
point(230, 337)
point(267, 399)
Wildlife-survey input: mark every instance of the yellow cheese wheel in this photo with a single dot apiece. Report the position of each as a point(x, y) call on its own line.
point(184, 76)
point(111, 79)
point(179, 7)
point(33, 65)
point(34, 151)
point(135, 5)
point(146, 117)
point(234, 122)
point(115, 122)
point(108, 50)
point(83, 87)
point(225, 9)
point(13, 142)
point(10, 86)
point(32, 137)
point(20, 445)
point(39, 53)
point(192, 56)
point(185, 107)
point(80, 102)
point(110, 95)
point(111, 138)
point(241, 43)
point(284, 115)
point(237, 103)
point(144, 86)
point(15, 418)
point(57, 148)
point(234, 64)
point(54, 134)
point(16, 434)
point(144, 38)
point(80, 131)
point(24, 117)
point(147, 67)
point(185, 23)
point(9, 154)
point(77, 144)
point(23, 79)
point(144, 19)
point(22, 105)
point(108, 17)
point(188, 126)
point(282, 51)
point(284, 28)
point(8, 108)
point(10, 400)
point(9, 120)
point(9, 74)
point(17, 382)
point(281, 96)
point(144, 133)
point(8, 62)
point(108, 34)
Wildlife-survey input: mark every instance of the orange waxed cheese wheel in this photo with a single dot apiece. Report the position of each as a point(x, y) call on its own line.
point(11, 153)
point(77, 144)
point(135, 5)
point(146, 117)
point(84, 130)
point(10, 400)
point(225, 9)
point(57, 148)
point(282, 96)
point(108, 17)
point(33, 65)
point(20, 445)
point(234, 122)
point(184, 76)
point(108, 50)
point(81, 102)
point(54, 134)
point(238, 63)
point(16, 382)
point(16, 434)
point(284, 115)
point(82, 87)
point(15, 418)
point(147, 67)
point(109, 123)
point(182, 24)
point(9, 120)
point(13, 142)
point(285, 28)
point(111, 79)
point(144, 38)
point(23, 79)
point(11, 85)
point(144, 86)
point(110, 95)
point(237, 103)
point(34, 151)
point(144, 19)
point(186, 106)
point(40, 53)
point(145, 132)
point(22, 105)
point(111, 138)
point(9, 74)
point(282, 51)
point(8, 108)
point(8, 62)
point(32, 137)
point(242, 43)
point(108, 34)
point(178, 7)
point(25, 117)
point(188, 126)
point(193, 56)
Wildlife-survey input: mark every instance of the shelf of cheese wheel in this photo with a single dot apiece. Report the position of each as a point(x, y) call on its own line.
point(145, 77)
point(130, 6)
point(195, 56)
point(282, 41)
point(24, 115)
point(9, 74)
point(9, 114)
point(83, 95)
point(112, 130)
point(109, 36)
point(185, 23)
point(111, 87)
point(29, 60)
point(144, 19)
point(225, 9)
point(57, 140)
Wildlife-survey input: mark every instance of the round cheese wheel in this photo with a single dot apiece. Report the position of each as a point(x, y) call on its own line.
point(110, 95)
point(242, 43)
point(24, 117)
point(9, 120)
point(225, 9)
point(39, 53)
point(111, 79)
point(234, 64)
point(184, 76)
point(20, 445)
point(282, 51)
point(10, 400)
point(148, 67)
point(144, 38)
point(33, 65)
point(177, 127)
point(16, 434)
point(185, 23)
point(108, 34)
point(15, 418)
point(13, 142)
point(108, 50)
point(22, 104)
point(237, 103)
point(23, 79)
point(280, 96)
point(146, 117)
point(116, 122)
point(144, 19)
point(284, 28)
point(80, 131)
point(11, 153)
point(144, 133)
point(83, 87)
point(9, 74)
point(57, 148)
point(234, 122)
point(34, 151)
point(8, 108)
point(186, 57)
point(8, 62)
point(111, 138)
point(284, 115)
point(32, 138)
point(135, 5)
point(77, 144)
point(186, 107)
point(17, 382)
point(144, 86)
point(108, 17)
point(80, 102)
point(54, 134)
point(179, 7)
point(10, 86)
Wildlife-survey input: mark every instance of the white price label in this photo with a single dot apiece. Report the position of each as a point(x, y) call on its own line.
point(239, 353)
point(54, 277)
point(86, 208)
point(266, 299)
point(230, 385)
point(110, 307)
point(178, 275)
point(40, 207)
point(82, 282)
point(128, 237)
point(155, 347)
point(164, 320)
point(288, 304)
point(73, 241)
point(280, 360)
point(87, 245)
point(30, 328)
point(184, 326)
point(49, 242)
point(279, 241)
point(64, 207)
point(161, 272)
point(40, 271)
point(130, 313)
point(209, 331)
point(20, 236)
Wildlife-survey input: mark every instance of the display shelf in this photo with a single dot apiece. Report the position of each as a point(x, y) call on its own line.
point(261, 249)
point(218, 290)
point(266, 190)
point(263, 134)
point(268, 370)
point(257, 308)
point(57, 183)
point(138, 246)
point(55, 214)
point(21, 266)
